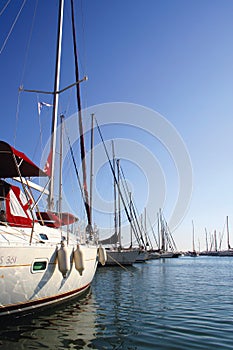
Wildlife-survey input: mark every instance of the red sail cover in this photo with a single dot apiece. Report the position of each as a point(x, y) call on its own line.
point(8, 167)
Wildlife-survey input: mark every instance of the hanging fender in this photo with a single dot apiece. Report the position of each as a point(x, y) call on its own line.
point(63, 259)
point(78, 260)
point(102, 255)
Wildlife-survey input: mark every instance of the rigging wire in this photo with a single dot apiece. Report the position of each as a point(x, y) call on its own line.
point(29, 41)
point(82, 57)
point(24, 67)
point(12, 27)
point(75, 166)
point(135, 212)
point(5, 7)
point(68, 177)
point(40, 126)
point(83, 38)
point(153, 232)
point(82, 143)
point(23, 73)
point(83, 62)
point(169, 237)
point(17, 117)
point(221, 235)
point(117, 182)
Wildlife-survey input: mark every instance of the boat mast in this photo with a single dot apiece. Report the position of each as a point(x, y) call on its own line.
point(91, 164)
point(60, 167)
point(228, 236)
point(141, 228)
point(193, 237)
point(55, 104)
point(158, 227)
point(82, 145)
point(119, 202)
point(131, 217)
point(145, 228)
point(114, 188)
point(215, 241)
point(206, 238)
point(162, 229)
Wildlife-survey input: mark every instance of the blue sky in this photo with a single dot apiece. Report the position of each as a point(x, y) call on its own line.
point(172, 56)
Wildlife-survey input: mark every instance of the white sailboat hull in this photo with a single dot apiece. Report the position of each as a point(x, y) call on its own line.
point(154, 255)
point(121, 257)
point(41, 264)
point(228, 252)
point(142, 256)
point(30, 276)
point(169, 255)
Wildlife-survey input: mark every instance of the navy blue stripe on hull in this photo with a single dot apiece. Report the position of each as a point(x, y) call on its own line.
point(4, 310)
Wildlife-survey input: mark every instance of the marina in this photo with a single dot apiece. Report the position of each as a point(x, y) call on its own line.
point(43, 259)
point(116, 180)
point(168, 304)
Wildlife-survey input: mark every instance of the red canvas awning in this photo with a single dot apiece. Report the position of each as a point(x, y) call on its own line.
point(50, 219)
point(8, 168)
point(68, 218)
point(54, 220)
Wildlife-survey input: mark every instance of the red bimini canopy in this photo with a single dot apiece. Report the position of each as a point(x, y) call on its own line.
point(49, 219)
point(12, 162)
point(68, 218)
point(55, 220)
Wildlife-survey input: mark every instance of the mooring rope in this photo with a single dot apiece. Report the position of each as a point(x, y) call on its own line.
point(117, 262)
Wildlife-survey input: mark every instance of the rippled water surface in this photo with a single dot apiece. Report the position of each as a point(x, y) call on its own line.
point(184, 303)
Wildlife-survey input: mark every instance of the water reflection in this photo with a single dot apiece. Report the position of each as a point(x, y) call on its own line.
point(177, 304)
point(70, 326)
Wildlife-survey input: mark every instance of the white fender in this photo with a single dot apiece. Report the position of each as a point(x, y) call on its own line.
point(102, 255)
point(63, 259)
point(78, 260)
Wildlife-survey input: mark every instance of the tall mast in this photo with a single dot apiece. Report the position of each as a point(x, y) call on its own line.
point(145, 228)
point(60, 167)
point(114, 188)
point(193, 237)
point(141, 222)
point(158, 231)
point(82, 145)
point(55, 104)
point(119, 201)
point(131, 216)
point(206, 238)
point(228, 236)
point(215, 241)
point(163, 247)
point(91, 165)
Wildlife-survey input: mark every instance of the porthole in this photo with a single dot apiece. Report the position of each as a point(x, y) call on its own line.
point(43, 236)
point(39, 266)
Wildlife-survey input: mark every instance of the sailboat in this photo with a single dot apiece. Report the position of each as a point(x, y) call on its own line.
point(192, 253)
point(168, 247)
point(229, 250)
point(116, 254)
point(42, 263)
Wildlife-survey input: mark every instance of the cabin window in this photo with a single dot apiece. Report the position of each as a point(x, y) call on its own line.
point(43, 236)
point(2, 204)
point(39, 266)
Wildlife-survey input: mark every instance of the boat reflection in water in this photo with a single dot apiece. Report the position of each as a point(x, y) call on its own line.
point(72, 325)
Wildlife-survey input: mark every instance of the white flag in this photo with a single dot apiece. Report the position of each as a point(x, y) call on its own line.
point(41, 104)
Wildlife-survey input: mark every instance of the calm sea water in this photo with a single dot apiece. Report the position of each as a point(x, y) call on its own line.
point(184, 303)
